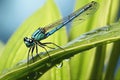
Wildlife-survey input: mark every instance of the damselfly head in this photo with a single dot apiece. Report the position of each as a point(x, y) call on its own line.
point(29, 42)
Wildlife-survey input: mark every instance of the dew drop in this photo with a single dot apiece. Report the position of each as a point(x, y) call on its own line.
point(40, 73)
point(59, 65)
point(67, 59)
point(36, 75)
point(28, 77)
point(48, 64)
point(103, 29)
point(90, 33)
point(106, 28)
point(82, 36)
point(4, 71)
point(21, 62)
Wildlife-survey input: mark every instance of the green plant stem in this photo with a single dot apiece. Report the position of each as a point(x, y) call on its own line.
point(114, 57)
point(98, 64)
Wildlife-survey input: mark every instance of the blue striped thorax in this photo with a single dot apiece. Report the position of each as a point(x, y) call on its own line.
point(39, 34)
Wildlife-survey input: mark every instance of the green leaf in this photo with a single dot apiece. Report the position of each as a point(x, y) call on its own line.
point(86, 41)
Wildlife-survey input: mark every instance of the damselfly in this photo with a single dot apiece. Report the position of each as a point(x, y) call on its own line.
point(43, 33)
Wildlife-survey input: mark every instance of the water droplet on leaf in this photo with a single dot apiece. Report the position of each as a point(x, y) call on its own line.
point(40, 73)
point(48, 64)
point(59, 65)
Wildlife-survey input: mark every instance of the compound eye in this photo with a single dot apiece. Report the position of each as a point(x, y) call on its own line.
point(31, 41)
point(25, 39)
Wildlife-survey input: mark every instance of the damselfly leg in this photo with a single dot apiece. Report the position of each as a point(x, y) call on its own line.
point(42, 45)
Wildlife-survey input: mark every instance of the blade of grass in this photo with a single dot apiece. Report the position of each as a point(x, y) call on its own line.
point(114, 57)
point(98, 64)
point(86, 41)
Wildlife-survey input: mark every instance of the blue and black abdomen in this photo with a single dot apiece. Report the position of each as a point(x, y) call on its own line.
point(39, 34)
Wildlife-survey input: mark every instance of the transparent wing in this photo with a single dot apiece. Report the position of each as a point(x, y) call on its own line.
point(86, 14)
point(80, 15)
